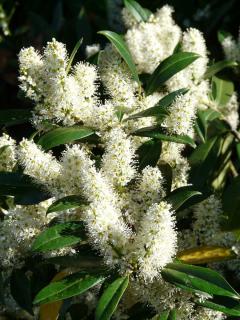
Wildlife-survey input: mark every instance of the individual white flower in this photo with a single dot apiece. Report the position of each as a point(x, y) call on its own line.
point(40, 165)
point(118, 160)
point(152, 41)
point(155, 242)
point(92, 49)
point(116, 78)
point(7, 153)
point(106, 227)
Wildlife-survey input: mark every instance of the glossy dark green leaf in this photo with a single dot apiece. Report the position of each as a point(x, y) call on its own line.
point(223, 304)
point(218, 66)
point(110, 298)
point(138, 12)
point(120, 45)
point(75, 50)
point(195, 278)
point(59, 236)
point(60, 136)
point(22, 187)
point(70, 286)
point(168, 68)
point(11, 117)
point(149, 153)
point(20, 287)
point(222, 90)
point(83, 261)
point(69, 202)
point(231, 205)
point(179, 196)
point(157, 133)
point(203, 162)
point(160, 109)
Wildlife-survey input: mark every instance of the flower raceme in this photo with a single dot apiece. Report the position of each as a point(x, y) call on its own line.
point(128, 218)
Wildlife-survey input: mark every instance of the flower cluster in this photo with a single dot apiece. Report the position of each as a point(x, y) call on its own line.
point(128, 219)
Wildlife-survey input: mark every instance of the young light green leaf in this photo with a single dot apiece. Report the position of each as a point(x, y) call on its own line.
point(222, 90)
point(118, 42)
point(11, 117)
point(168, 68)
point(110, 298)
point(60, 136)
point(22, 187)
point(179, 196)
point(138, 12)
point(157, 133)
point(218, 66)
point(75, 50)
point(149, 153)
point(160, 109)
point(59, 236)
point(195, 278)
point(69, 202)
point(70, 286)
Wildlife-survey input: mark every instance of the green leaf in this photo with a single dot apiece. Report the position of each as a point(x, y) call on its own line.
point(11, 117)
point(22, 187)
point(203, 120)
point(59, 236)
point(83, 261)
point(120, 45)
point(203, 162)
point(157, 133)
point(149, 153)
point(75, 50)
point(168, 68)
point(69, 202)
point(60, 136)
point(222, 304)
point(195, 278)
point(179, 196)
point(166, 315)
point(70, 286)
point(231, 205)
point(160, 109)
point(222, 90)
point(21, 290)
point(138, 12)
point(218, 66)
point(110, 298)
